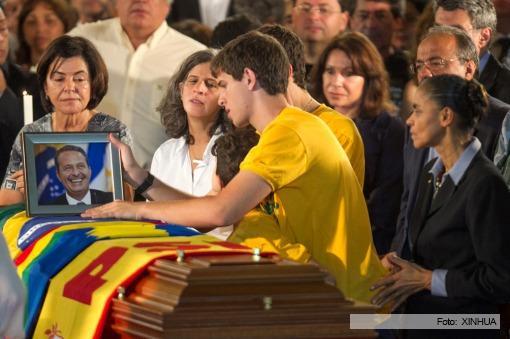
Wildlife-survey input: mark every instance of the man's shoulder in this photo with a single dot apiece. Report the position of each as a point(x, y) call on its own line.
point(176, 40)
point(497, 109)
point(96, 30)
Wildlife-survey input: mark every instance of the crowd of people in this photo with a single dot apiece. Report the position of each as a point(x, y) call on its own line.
point(370, 137)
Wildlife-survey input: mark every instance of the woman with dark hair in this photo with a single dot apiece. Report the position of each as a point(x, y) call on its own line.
point(74, 80)
point(193, 120)
point(459, 228)
point(350, 76)
point(41, 22)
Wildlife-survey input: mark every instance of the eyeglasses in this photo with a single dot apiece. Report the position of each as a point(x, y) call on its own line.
point(308, 9)
point(192, 81)
point(433, 64)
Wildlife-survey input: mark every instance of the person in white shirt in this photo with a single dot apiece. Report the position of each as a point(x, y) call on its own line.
point(193, 120)
point(141, 53)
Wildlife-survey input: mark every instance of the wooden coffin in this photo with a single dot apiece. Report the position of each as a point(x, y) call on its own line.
point(234, 296)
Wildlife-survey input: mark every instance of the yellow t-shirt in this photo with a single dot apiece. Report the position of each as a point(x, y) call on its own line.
point(348, 135)
point(260, 230)
point(319, 202)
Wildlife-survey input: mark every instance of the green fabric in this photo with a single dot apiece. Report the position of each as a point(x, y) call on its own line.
point(8, 211)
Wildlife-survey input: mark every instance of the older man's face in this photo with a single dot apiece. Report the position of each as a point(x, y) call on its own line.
point(142, 15)
point(4, 38)
point(74, 173)
point(375, 20)
point(437, 55)
point(460, 18)
point(318, 20)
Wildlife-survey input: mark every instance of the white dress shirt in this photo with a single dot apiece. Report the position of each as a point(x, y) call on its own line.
point(213, 12)
point(87, 199)
point(138, 78)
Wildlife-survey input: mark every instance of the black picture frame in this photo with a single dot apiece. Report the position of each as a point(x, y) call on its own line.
point(47, 190)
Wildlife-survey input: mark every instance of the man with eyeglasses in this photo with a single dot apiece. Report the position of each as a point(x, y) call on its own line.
point(443, 50)
point(316, 22)
point(378, 19)
point(478, 19)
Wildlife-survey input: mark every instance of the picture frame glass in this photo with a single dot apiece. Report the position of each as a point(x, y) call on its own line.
point(67, 173)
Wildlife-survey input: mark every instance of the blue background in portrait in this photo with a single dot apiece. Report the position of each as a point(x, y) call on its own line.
point(48, 185)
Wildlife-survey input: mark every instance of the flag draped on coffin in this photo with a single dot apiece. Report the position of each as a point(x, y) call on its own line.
point(71, 268)
point(49, 186)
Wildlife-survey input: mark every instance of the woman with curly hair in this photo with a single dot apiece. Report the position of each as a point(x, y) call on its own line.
point(350, 77)
point(193, 120)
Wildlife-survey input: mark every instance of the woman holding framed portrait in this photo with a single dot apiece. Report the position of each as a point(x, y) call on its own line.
point(74, 80)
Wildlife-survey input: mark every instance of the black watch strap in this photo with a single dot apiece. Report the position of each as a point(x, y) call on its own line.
point(144, 186)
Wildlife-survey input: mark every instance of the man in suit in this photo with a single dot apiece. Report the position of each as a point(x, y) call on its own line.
point(73, 170)
point(444, 50)
point(478, 19)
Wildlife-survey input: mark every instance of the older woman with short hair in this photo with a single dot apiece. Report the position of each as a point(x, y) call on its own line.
point(74, 80)
point(350, 76)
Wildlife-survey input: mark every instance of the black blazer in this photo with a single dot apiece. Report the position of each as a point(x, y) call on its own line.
point(11, 121)
point(96, 197)
point(496, 79)
point(189, 9)
point(487, 131)
point(11, 108)
point(464, 229)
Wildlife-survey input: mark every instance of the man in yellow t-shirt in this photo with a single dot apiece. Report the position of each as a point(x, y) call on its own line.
point(343, 128)
point(318, 200)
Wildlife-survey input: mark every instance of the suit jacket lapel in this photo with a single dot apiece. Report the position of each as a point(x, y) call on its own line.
point(489, 74)
point(443, 195)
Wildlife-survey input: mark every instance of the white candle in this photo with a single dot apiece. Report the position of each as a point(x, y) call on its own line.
point(28, 109)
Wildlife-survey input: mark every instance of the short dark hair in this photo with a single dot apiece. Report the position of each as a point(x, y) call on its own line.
point(231, 28)
point(467, 98)
point(262, 54)
point(366, 62)
point(70, 148)
point(66, 47)
point(396, 7)
point(171, 108)
point(230, 150)
point(294, 48)
point(345, 5)
point(465, 47)
point(62, 9)
point(481, 12)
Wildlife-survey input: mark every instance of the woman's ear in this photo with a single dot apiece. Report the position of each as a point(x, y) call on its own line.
point(446, 116)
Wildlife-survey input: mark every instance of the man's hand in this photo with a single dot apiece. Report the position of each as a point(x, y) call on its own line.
point(12, 297)
point(116, 209)
point(133, 172)
point(406, 280)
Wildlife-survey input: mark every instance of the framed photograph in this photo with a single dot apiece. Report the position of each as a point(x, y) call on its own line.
point(67, 173)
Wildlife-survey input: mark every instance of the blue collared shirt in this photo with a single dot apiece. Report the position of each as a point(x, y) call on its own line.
point(483, 62)
point(438, 284)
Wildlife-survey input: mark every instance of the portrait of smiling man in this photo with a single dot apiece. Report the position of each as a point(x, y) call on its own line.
point(74, 172)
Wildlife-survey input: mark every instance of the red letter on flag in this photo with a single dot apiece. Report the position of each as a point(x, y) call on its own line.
point(82, 286)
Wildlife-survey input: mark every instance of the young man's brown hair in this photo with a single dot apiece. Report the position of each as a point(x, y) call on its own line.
point(260, 53)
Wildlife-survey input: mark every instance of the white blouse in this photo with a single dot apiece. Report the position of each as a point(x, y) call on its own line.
point(171, 164)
